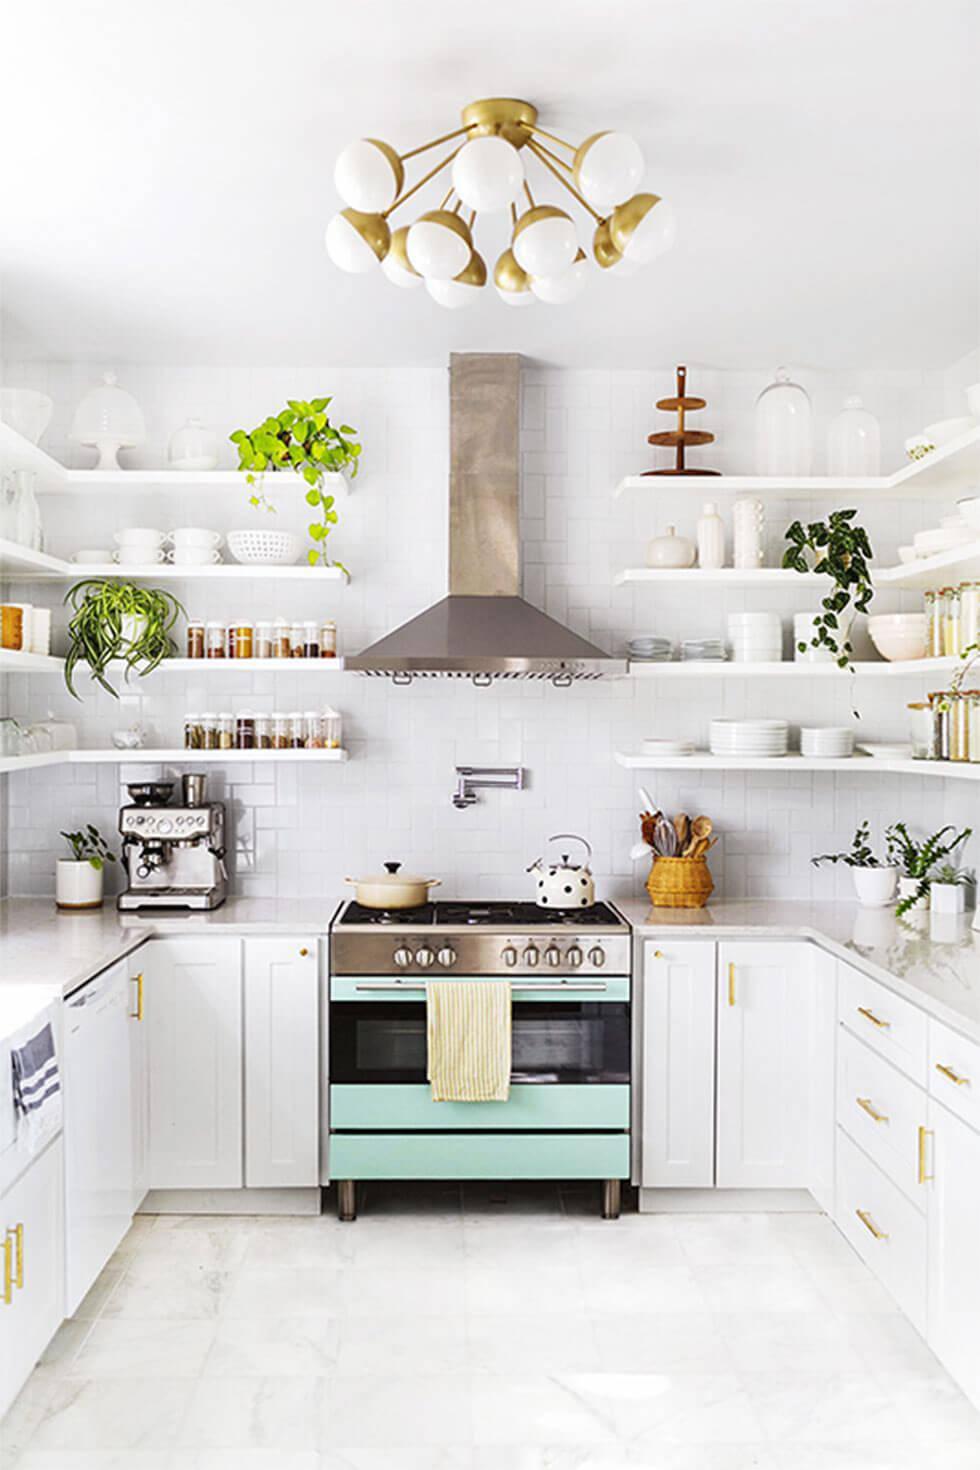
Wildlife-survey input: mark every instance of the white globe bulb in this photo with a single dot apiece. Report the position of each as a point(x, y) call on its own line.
point(556, 290)
point(347, 248)
point(544, 241)
point(516, 298)
point(366, 176)
point(488, 174)
point(436, 251)
point(398, 275)
point(653, 235)
point(608, 168)
point(452, 294)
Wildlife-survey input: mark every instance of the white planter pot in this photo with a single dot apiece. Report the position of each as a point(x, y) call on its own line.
point(132, 627)
point(875, 886)
point(947, 898)
point(77, 885)
point(906, 888)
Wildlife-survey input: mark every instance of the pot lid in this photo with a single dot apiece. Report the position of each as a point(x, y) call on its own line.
point(392, 878)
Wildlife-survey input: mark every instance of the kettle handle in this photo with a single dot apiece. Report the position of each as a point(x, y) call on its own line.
point(575, 838)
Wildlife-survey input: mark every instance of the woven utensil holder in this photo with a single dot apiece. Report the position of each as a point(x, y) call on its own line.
point(679, 883)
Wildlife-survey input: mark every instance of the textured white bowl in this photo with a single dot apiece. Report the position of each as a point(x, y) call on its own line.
point(264, 548)
point(897, 644)
point(942, 538)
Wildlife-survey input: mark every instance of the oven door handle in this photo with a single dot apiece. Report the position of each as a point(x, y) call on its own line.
point(564, 986)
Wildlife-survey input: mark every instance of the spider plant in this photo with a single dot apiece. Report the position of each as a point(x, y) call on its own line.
point(118, 620)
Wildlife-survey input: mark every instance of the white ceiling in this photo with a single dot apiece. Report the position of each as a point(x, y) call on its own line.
point(168, 175)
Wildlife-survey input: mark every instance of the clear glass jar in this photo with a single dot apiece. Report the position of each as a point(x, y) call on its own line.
point(263, 640)
point(951, 622)
point(854, 441)
point(263, 731)
point(214, 640)
point(226, 731)
point(973, 723)
point(328, 638)
point(280, 731)
point(296, 634)
point(959, 734)
point(245, 730)
point(195, 639)
point(244, 639)
point(969, 615)
point(921, 729)
point(330, 727)
point(939, 704)
point(282, 643)
point(783, 428)
point(193, 733)
point(297, 730)
point(209, 723)
point(311, 640)
point(312, 730)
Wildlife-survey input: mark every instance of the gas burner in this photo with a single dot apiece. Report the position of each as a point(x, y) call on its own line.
point(357, 913)
point(523, 915)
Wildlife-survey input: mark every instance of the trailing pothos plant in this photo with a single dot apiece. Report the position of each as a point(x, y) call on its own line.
point(918, 860)
point(861, 854)
point(301, 438)
point(97, 632)
point(843, 551)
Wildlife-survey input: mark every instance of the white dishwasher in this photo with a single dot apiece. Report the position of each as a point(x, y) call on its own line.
point(98, 1126)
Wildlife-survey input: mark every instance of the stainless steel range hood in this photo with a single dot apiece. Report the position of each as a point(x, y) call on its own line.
point(484, 629)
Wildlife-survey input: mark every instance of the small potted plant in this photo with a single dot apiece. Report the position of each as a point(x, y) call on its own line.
point(843, 551)
point(917, 861)
point(874, 880)
point(118, 620)
point(79, 879)
point(947, 889)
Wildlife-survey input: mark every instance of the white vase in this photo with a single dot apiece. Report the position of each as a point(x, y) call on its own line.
point(711, 537)
point(749, 521)
point(947, 898)
point(670, 550)
point(77, 885)
point(907, 888)
point(875, 886)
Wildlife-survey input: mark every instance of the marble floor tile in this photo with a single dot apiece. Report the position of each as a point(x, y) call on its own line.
point(398, 1343)
point(283, 1291)
point(113, 1414)
point(832, 1408)
point(613, 1288)
point(535, 1409)
point(273, 1347)
point(647, 1409)
point(520, 1290)
point(147, 1293)
point(721, 1240)
point(254, 1413)
point(368, 1411)
point(780, 1287)
point(548, 1343)
point(122, 1348)
point(661, 1342)
point(768, 1341)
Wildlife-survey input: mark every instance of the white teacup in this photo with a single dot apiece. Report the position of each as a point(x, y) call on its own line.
point(194, 536)
point(194, 556)
point(93, 555)
point(139, 536)
point(138, 555)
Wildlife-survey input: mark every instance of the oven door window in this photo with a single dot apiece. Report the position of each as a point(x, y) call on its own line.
point(552, 1041)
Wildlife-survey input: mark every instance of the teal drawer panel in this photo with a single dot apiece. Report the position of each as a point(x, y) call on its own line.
point(407, 1106)
point(476, 1156)
point(351, 987)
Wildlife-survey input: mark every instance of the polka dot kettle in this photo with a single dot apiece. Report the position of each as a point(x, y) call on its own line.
point(564, 885)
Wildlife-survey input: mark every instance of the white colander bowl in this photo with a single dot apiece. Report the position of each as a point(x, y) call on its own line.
point(268, 548)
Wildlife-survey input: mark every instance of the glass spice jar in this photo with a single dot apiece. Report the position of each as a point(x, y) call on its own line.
point(226, 731)
point(972, 697)
point(951, 622)
point(195, 639)
point(282, 645)
point(959, 735)
point(939, 704)
point(311, 640)
point(280, 731)
point(263, 732)
point(209, 725)
point(214, 640)
point(330, 727)
point(312, 731)
point(244, 639)
point(263, 640)
point(969, 614)
point(245, 731)
point(934, 624)
point(193, 733)
point(296, 635)
point(328, 638)
point(297, 736)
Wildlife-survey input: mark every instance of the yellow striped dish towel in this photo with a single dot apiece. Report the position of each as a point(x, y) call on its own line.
point(468, 1032)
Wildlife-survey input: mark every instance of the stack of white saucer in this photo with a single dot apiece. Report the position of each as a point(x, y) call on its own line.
point(755, 637)
point(826, 741)
point(749, 737)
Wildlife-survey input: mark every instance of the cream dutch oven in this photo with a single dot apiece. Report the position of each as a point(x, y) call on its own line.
point(391, 889)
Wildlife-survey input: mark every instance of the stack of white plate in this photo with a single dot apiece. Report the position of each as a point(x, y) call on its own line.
point(826, 741)
point(749, 737)
point(755, 637)
point(649, 648)
point(703, 650)
point(665, 748)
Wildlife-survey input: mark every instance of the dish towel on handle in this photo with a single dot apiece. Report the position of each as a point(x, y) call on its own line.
point(37, 1090)
point(468, 1032)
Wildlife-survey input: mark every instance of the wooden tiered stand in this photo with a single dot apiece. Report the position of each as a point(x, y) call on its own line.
point(680, 439)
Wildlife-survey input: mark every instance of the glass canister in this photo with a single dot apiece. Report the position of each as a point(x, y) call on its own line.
point(939, 705)
point(312, 730)
point(244, 638)
point(296, 634)
point(282, 643)
point(959, 734)
point(245, 730)
point(933, 608)
point(214, 640)
point(280, 731)
point(951, 621)
point(226, 731)
point(969, 615)
point(972, 697)
point(263, 640)
point(11, 625)
point(328, 638)
point(783, 428)
point(854, 441)
point(193, 732)
point(330, 726)
point(195, 639)
point(263, 731)
point(311, 640)
point(209, 726)
point(921, 727)
point(297, 730)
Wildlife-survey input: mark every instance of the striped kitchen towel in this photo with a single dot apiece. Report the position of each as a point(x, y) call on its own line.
point(37, 1090)
point(468, 1032)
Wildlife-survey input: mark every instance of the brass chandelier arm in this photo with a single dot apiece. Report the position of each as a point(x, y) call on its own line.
point(446, 138)
point(539, 148)
point(564, 182)
point(552, 137)
point(527, 191)
point(422, 181)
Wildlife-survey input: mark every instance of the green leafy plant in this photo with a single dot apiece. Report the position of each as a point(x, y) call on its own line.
point(951, 875)
point(919, 859)
point(301, 438)
point(89, 846)
point(861, 854)
point(843, 551)
point(96, 634)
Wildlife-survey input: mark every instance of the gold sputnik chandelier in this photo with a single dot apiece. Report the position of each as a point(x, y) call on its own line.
point(544, 261)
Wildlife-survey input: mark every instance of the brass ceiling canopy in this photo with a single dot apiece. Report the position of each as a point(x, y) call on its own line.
point(488, 157)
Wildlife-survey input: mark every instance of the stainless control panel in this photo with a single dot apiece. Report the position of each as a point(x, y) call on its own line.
point(438, 951)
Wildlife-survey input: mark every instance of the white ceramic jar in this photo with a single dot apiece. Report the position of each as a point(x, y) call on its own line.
point(77, 885)
point(670, 550)
point(749, 520)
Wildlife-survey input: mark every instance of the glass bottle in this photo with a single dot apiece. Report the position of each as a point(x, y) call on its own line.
point(195, 639)
point(328, 638)
point(331, 729)
point(783, 428)
point(959, 738)
point(280, 731)
point(263, 640)
point(951, 622)
point(973, 723)
point(939, 704)
point(214, 640)
point(311, 640)
point(854, 441)
point(263, 731)
point(243, 639)
point(297, 732)
point(245, 731)
point(312, 731)
point(934, 624)
point(209, 726)
point(296, 640)
point(282, 643)
point(226, 731)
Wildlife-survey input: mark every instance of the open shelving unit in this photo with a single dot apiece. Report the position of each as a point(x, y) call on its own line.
point(962, 564)
point(14, 662)
point(791, 669)
point(20, 563)
point(175, 756)
point(721, 576)
point(795, 764)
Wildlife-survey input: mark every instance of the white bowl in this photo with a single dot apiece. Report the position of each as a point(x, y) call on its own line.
point(899, 636)
point(264, 548)
point(195, 536)
point(139, 536)
point(908, 622)
point(942, 538)
point(944, 431)
point(26, 411)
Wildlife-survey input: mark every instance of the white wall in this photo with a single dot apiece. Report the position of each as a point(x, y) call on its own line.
point(299, 831)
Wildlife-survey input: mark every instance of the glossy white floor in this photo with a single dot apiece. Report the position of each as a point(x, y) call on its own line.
point(497, 1331)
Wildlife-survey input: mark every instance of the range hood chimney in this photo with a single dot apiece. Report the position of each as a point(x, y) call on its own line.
point(484, 629)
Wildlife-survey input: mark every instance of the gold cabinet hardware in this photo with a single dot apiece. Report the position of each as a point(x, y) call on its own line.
point(953, 1076)
point(870, 1016)
point(304, 952)
point(658, 954)
point(924, 1133)
point(8, 1269)
point(19, 1257)
point(731, 982)
point(871, 1110)
point(869, 1224)
point(137, 1015)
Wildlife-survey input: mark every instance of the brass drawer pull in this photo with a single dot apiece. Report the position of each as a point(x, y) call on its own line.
point(953, 1076)
point(875, 1020)
point(871, 1110)
point(8, 1270)
point(731, 983)
point(924, 1133)
point(869, 1224)
point(19, 1257)
point(137, 1015)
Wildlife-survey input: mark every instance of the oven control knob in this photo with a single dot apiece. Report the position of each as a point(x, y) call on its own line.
point(402, 957)
point(424, 957)
point(446, 956)
point(509, 956)
point(597, 957)
point(574, 956)
point(552, 956)
point(530, 956)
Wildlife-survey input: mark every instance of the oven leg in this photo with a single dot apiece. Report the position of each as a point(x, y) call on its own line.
point(611, 1192)
point(346, 1200)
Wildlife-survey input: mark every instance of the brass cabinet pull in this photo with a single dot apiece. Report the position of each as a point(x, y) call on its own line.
point(8, 1272)
point(19, 1257)
point(924, 1133)
point(137, 1015)
point(304, 952)
point(731, 982)
point(875, 1020)
point(871, 1110)
point(869, 1224)
point(953, 1076)
point(658, 954)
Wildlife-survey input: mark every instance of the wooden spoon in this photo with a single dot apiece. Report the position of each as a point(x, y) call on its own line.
point(682, 826)
point(702, 827)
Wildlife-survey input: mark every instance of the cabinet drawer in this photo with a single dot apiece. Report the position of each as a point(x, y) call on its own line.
point(954, 1072)
point(886, 1230)
point(408, 1106)
point(885, 1021)
point(883, 1112)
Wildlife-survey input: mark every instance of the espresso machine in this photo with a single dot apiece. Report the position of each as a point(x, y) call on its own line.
point(173, 854)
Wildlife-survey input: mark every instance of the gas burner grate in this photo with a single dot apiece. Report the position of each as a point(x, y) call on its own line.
point(357, 913)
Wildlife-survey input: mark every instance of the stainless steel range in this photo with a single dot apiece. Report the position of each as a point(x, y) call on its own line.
point(568, 1114)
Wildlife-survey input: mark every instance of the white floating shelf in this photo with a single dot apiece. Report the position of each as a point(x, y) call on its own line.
point(722, 576)
point(945, 473)
point(703, 760)
point(175, 757)
point(962, 564)
point(12, 662)
point(221, 666)
point(19, 563)
point(10, 763)
point(18, 453)
point(790, 669)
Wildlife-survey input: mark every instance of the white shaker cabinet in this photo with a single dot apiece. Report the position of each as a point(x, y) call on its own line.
point(138, 1073)
point(282, 1059)
point(764, 998)
point(192, 1007)
point(953, 1161)
point(32, 1233)
point(821, 1071)
point(678, 1075)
